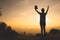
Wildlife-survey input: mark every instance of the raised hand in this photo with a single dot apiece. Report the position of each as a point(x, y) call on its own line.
point(36, 7)
point(48, 7)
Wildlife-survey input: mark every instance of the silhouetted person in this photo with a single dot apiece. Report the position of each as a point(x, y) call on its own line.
point(42, 18)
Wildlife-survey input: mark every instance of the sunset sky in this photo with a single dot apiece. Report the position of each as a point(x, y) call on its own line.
point(22, 17)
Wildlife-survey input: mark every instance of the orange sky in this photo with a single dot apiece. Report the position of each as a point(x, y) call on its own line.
point(21, 16)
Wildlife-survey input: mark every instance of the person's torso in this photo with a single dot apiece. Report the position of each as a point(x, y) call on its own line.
point(43, 17)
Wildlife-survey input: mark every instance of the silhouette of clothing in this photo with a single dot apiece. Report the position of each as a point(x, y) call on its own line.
point(42, 18)
point(42, 22)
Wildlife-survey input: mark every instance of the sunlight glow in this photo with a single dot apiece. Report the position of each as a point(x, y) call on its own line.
point(47, 20)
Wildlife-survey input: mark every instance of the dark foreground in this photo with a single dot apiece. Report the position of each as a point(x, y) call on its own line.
point(6, 33)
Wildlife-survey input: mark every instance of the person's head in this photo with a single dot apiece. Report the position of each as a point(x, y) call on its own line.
point(42, 10)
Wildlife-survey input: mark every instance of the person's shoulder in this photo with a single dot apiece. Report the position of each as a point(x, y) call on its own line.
point(40, 13)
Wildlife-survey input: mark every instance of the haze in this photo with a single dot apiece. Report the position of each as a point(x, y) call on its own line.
point(22, 17)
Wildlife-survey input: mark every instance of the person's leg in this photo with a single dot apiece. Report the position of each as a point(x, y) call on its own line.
point(44, 31)
point(41, 29)
point(44, 28)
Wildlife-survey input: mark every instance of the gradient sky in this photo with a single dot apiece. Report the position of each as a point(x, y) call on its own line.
point(21, 16)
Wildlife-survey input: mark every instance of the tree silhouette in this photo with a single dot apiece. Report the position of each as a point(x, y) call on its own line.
point(0, 12)
point(6, 32)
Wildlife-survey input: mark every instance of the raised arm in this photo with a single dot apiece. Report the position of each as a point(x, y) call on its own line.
point(37, 10)
point(47, 9)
